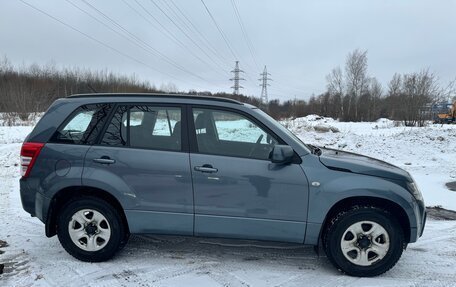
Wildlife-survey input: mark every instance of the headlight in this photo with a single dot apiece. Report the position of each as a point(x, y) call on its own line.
point(415, 191)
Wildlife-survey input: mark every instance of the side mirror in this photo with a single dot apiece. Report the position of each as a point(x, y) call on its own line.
point(281, 154)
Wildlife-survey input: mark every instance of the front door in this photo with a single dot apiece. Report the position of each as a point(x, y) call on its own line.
point(238, 192)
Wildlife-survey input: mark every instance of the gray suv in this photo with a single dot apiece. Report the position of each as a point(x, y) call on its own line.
point(98, 167)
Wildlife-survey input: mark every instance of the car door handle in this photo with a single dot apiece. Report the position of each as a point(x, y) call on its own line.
point(206, 168)
point(104, 160)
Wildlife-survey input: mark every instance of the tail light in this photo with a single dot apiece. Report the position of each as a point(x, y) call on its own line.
point(29, 153)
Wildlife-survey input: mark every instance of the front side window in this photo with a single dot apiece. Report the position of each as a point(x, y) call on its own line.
point(83, 126)
point(144, 126)
point(231, 134)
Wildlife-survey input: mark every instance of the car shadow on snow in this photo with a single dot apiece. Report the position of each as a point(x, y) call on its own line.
point(224, 251)
point(147, 260)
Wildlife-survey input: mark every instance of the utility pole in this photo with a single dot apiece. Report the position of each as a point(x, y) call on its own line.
point(264, 86)
point(236, 79)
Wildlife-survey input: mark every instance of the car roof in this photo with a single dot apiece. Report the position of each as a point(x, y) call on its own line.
point(122, 96)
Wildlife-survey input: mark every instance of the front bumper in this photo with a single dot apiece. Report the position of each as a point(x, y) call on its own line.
point(423, 223)
point(420, 216)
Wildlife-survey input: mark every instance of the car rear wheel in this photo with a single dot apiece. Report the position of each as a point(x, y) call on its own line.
point(90, 229)
point(364, 241)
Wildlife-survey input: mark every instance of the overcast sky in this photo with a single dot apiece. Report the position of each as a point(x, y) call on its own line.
point(298, 41)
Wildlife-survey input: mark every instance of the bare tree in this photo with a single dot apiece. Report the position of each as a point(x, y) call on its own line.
point(395, 85)
point(32, 88)
point(418, 90)
point(356, 79)
point(336, 87)
point(376, 93)
point(335, 82)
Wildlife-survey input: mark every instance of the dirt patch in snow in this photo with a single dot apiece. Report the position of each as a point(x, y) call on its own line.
point(2, 244)
point(451, 185)
point(2, 265)
point(439, 213)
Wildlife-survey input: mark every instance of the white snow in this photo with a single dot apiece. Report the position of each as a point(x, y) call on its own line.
point(31, 259)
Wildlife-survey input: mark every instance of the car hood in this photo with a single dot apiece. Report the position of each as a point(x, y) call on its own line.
point(356, 163)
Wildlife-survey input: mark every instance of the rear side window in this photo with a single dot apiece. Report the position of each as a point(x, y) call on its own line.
point(83, 125)
point(145, 126)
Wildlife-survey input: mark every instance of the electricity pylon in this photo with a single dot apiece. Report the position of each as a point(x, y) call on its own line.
point(264, 86)
point(236, 79)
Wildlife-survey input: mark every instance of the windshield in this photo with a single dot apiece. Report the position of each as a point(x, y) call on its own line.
point(282, 128)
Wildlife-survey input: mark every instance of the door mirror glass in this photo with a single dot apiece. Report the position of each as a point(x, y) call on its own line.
point(281, 154)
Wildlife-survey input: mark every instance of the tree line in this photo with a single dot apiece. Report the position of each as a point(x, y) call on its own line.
point(351, 93)
point(31, 89)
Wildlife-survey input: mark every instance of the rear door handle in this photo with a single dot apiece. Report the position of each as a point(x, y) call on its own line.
point(206, 168)
point(104, 160)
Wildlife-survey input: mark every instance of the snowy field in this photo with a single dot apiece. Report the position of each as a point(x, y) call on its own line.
point(429, 154)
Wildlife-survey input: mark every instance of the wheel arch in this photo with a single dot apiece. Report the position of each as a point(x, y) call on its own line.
point(395, 209)
point(68, 193)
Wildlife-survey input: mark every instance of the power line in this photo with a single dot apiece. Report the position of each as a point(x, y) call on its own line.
point(237, 58)
point(137, 41)
point(225, 39)
point(180, 17)
point(244, 33)
point(169, 34)
point(97, 41)
point(140, 40)
point(220, 30)
point(185, 34)
point(203, 37)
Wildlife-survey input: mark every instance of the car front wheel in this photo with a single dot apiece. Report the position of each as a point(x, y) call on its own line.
point(364, 241)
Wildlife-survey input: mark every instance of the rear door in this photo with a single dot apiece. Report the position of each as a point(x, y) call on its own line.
point(238, 192)
point(143, 159)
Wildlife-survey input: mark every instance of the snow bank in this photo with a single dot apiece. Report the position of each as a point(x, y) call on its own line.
point(311, 123)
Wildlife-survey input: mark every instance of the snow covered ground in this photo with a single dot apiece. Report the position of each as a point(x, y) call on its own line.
point(429, 154)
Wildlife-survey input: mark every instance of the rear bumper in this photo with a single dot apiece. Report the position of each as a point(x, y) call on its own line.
point(27, 196)
point(32, 200)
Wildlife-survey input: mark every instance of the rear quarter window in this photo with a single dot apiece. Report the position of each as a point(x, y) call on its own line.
point(83, 125)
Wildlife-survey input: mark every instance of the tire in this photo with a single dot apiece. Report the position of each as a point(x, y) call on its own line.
point(375, 249)
point(124, 241)
point(90, 229)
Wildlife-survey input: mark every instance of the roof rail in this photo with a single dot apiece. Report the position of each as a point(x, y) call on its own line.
point(184, 96)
